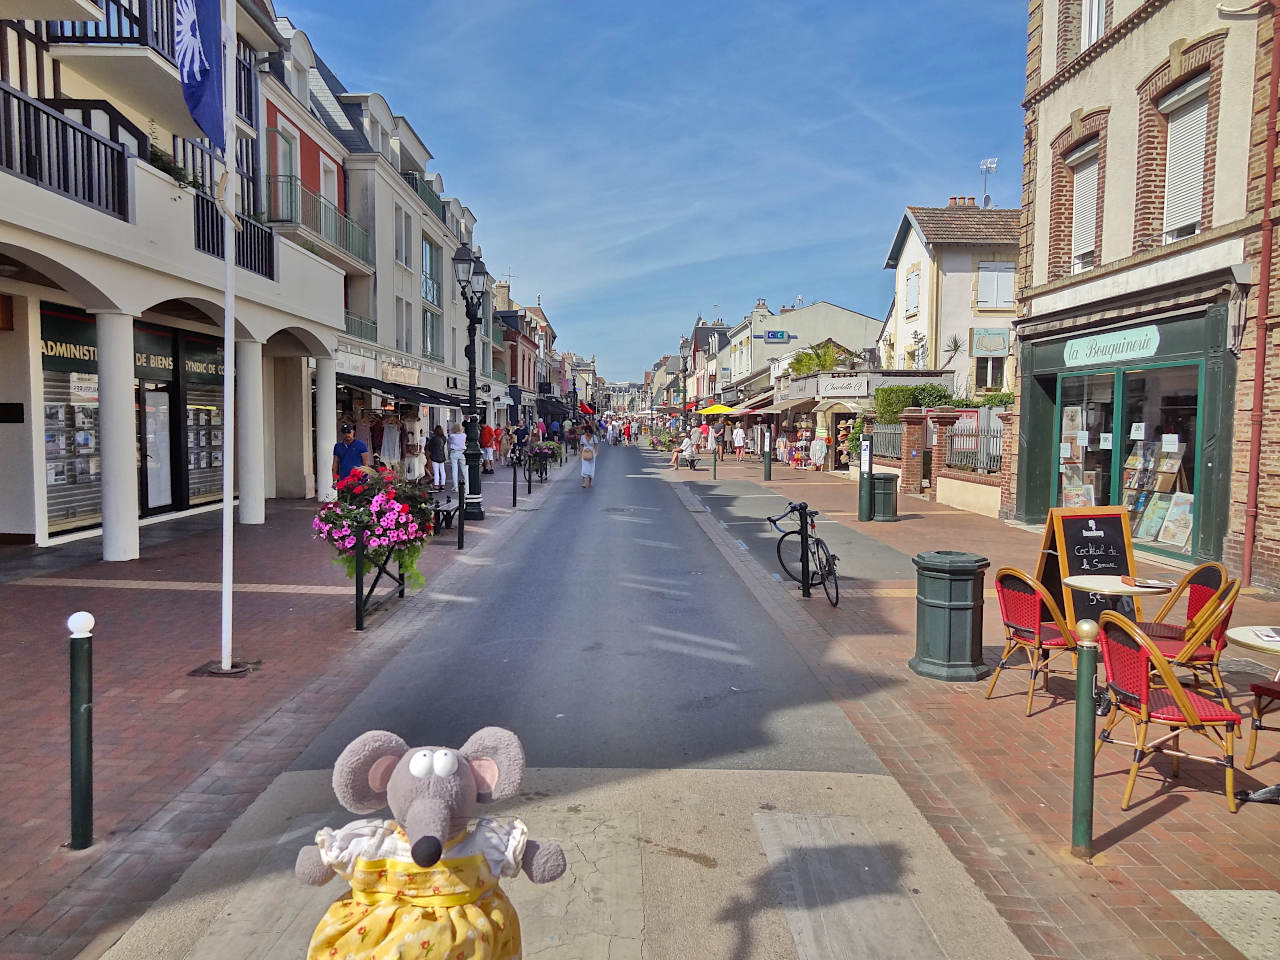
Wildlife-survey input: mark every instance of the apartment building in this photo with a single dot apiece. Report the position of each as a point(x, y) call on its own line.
point(953, 303)
point(1146, 166)
point(111, 280)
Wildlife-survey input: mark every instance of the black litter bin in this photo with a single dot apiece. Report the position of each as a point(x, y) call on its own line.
point(884, 491)
point(949, 585)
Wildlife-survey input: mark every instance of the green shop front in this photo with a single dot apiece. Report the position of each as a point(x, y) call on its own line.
point(1136, 413)
point(179, 418)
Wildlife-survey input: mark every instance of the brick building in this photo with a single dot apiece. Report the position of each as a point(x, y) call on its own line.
point(1144, 168)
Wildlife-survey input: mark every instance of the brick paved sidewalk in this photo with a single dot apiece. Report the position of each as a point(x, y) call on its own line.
point(997, 785)
point(176, 757)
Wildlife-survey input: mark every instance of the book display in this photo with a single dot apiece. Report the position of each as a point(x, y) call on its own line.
point(1158, 493)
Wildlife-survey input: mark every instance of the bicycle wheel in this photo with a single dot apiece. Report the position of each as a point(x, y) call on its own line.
point(528, 469)
point(827, 564)
point(789, 554)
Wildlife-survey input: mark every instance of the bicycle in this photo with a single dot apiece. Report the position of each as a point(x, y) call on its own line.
point(822, 562)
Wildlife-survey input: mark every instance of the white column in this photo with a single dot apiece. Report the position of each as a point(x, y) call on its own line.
point(118, 436)
point(250, 443)
point(326, 427)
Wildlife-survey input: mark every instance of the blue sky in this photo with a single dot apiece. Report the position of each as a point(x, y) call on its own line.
point(638, 164)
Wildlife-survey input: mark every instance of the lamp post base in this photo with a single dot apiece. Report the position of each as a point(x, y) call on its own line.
point(473, 509)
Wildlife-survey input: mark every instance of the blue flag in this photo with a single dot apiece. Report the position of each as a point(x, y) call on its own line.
point(198, 52)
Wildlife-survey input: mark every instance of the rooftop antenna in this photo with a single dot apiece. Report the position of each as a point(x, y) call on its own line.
point(799, 300)
point(510, 276)
point(986, 168)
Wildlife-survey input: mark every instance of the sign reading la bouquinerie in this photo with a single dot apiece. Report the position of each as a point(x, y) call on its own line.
point(1117, 346)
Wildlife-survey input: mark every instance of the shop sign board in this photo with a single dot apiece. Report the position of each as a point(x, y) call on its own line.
point(1115, 346)
point(989, 342)
point(358, 365)
point(843, 387)
point(394, 373)
point(202, 359)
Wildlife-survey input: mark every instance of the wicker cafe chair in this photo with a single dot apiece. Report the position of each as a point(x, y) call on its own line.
point(1201, 648)
point(1131, 657)
point(1200, 586)
point(1033, 624)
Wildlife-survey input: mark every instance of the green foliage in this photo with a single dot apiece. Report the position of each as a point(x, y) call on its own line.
point(817, 358)
point(891, 401)
point(934, 395)
point(166, 164)
point(1004, 398)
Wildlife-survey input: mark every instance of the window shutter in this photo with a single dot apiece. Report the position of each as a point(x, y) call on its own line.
point(913, 292)
point(1084, 207)
point(1184, 167)
point(987, 292)
point(1004, 285)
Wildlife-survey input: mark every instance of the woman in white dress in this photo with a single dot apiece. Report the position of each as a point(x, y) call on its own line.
point(588, 462)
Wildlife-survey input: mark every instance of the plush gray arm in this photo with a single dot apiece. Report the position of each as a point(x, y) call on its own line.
point(543, 862)
point(310, 869)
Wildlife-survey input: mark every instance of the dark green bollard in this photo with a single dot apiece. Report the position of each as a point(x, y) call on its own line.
point(81, 656)
point(515, 481)
point(768, 457)
point(865, 493)
point(1086, 732)
point(713, 461)
point(884, 491)
point(949, 587)
point(459, 516)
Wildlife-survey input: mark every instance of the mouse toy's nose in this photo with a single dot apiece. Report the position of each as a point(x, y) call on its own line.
point(426, 851)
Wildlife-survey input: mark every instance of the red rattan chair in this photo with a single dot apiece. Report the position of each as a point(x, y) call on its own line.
point(1266, 697)
point(1131, 658)
point(1200, 586)
point(1201, 647)
point(1033, 624)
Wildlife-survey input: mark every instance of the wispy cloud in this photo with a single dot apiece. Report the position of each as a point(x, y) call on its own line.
point(636, 164)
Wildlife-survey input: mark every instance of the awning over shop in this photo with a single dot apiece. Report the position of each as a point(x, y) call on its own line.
point(782, 406)
point(756, 404)
point(400, 391)
point(831, 404)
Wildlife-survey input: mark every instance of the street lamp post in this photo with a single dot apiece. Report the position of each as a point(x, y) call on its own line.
point(471, 275)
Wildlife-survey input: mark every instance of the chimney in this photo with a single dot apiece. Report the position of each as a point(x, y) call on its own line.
point(969, 200)
point(951, 202)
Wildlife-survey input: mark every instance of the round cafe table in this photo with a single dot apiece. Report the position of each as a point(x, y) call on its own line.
point(1109, 586)
point(1247, 637)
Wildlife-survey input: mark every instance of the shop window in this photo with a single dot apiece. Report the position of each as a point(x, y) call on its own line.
point(988, 373)
point(1160, 424)
point(1085, 440)
point(995, 285)
point(1083, 164)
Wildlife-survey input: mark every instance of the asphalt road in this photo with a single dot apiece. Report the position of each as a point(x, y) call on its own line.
point(609, 633)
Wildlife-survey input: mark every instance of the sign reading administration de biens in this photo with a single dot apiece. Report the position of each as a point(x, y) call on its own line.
point(69, 344)
point(1116, 346)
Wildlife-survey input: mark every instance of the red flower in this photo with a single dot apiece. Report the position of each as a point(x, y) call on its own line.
point(404, 508)
point(355, 471)
point(359, 489)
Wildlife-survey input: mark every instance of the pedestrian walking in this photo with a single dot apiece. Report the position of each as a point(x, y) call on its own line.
point(555, 431)
point(705, 430)
point(486, 448)
point(739, 441)
point(717, 437)
point(348, 453)
point(438, 452)
point(505, 443)
point(588, 456)
point(457, 455)
point(571, 436)
point(626, 432)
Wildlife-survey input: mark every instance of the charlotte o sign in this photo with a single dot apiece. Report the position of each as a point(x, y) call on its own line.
point(1117, 346)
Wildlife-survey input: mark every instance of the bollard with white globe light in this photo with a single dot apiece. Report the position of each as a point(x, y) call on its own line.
point(81, 657)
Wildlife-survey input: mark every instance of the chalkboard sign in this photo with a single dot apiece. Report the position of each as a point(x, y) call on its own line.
point(1087, 541)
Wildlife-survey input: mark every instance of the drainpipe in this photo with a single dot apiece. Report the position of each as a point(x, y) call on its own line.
point(1264, 315)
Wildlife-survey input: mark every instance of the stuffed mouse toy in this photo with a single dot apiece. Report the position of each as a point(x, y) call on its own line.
point(424, 885)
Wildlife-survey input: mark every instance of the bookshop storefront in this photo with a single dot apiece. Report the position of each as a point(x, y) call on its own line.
point(179, 426)
point(1139, 414)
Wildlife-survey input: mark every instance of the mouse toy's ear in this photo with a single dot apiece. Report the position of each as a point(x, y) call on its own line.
point(363, 769)
point(497, 761)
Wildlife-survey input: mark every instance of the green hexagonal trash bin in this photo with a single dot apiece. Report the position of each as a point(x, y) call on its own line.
point(949, 585)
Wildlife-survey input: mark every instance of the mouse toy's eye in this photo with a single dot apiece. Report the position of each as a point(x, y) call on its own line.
point(446, 763)
point(420, 764)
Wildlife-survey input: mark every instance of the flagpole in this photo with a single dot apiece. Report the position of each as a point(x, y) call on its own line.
point(228, 324)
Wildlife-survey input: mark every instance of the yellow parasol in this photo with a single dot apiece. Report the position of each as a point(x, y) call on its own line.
point(715, 408)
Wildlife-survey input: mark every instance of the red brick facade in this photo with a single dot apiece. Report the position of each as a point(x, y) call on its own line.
point(1192, 60)
point(944, 418)
point(912, 451)
point(1070, 27)
point(1062, 189)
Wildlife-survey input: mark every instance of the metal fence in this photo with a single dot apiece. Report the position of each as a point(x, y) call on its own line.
point(886, 440)
point(973, 447)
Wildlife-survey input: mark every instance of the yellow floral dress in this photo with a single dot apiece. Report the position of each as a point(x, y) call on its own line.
point(397, 910)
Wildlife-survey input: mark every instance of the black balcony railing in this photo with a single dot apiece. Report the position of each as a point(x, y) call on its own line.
point(41, 145)
point(145, 22)
point(255, 243)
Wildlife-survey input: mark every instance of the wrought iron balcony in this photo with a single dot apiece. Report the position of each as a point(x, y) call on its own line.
point(289, 202)
point(428, 195)
point(39, 144)
point(362, 327)
point(150, 23)
point(255, 244)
